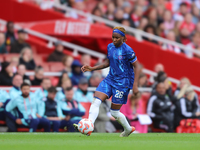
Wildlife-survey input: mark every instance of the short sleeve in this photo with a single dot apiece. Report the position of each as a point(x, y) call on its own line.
point(131, 55)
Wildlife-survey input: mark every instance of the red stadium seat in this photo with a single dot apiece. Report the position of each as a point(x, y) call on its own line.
point(8, 57)
point(55, 66)
point(1, 58)
point(54, 81)
point(2, 123)
point(86, 105)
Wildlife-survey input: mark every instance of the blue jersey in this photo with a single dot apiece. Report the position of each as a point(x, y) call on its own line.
point(121, 69)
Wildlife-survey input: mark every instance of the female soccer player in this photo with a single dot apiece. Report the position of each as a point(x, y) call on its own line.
point(121, 78)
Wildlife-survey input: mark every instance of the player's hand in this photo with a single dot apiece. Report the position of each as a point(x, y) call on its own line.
point(67, 117)
point(197, 114)
point(86, 68)
point(19, 121)
point(1, 104)
point(136, 92)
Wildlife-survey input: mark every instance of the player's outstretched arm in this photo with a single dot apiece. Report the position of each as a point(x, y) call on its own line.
point(135, 84)
point(105, 64)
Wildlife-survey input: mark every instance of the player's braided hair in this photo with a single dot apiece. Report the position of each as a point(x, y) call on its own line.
point(123, 30)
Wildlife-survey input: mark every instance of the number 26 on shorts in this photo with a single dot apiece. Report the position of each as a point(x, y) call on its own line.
point(119, 94)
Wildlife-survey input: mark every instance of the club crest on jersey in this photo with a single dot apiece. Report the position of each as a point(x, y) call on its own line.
point(120, 57)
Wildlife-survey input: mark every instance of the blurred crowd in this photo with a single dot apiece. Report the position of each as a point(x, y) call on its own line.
point(175, 20)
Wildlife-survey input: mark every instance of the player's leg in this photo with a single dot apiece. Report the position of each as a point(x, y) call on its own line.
point(44, 123)
point(102, 93)
point(119, 98)
point(115, 112)
point(55, 125)
point(94, 108)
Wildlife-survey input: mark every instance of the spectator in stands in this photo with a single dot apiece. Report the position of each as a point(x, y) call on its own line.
point(143, 23)
point(95, 79)
point(159, 109)
point(151, 14)
point(79, 5)
point(63, 77)
point(162, 77)
point(72, 109)
point(10, 35)
point(3, 98)
point(187, 107)
point(152, 30)
point(67, 62)
point(6, 74)
point(159, 67)
point(183, 10)
point(13, 93)
point(14, 62)
point(3, 48)
point(172, 37)
point(39, 75)
point(136, 16)
point(20, 43)
point(195, 44)
point(97, 12)
point(26, 58)
point(195, 14)
point(51, 110)
point(181, 87)
point(16, 83)
point(127, 10)
point(42, 93)
point(82, 94)
point(142, 82)
point(184, 36)
point(110, 11)
point(131, 111)
point(76, 72)
point(118, 16)
point(57, 55)
point(60, 95)
point(187, 23)
point(86, 60)
point(27, 106)
point(105, 122)
point(21, 70)
point(168, 21)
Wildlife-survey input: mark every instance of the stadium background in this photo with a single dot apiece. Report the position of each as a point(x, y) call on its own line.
point(47, 21)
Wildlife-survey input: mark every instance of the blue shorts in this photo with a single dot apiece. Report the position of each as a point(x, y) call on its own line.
point(119, 95)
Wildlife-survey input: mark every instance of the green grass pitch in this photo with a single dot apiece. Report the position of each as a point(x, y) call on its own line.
point(98, 141)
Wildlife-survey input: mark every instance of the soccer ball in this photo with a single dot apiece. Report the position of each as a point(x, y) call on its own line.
point(85, 126)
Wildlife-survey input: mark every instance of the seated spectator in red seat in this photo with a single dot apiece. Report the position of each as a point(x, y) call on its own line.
point(187, 23)
point(168, 22)
point(76, 72)
point(159, 109)
point(72, 110)
point(21, 71)
point(3, 48)
point(57, 55)
point(6, 74)
point(142, 82)
point(86, 60)
point(10, 35)
point(118, 17)
point(110, 11)
point(172, 37)
point(184, 83)
point(63, 77)
point(143, 23)
point(67, 62)
point(195, 44)
point(131, 109)
point(152, 30)
point(82, 94)
point(184, 36)
point(187, 107)
point(20, 43)
point(26, 58)
point(51, 109)
point(14, 62)
point(95, 79)
point(39, 75)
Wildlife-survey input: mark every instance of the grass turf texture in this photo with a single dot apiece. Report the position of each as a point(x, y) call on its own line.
point(98, 141)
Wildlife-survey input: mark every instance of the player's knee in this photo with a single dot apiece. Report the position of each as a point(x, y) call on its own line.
point(115, 113)
point(96, 101)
